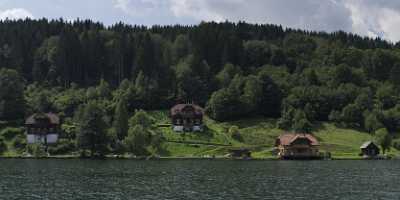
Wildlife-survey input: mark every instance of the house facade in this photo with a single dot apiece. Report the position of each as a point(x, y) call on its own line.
point(187, 117)
point(369, 149)
point(297, 146)
point(42, 128)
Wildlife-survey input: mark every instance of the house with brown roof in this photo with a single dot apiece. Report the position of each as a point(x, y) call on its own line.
point(187, 117)
point(42, 128)
point(297, 146)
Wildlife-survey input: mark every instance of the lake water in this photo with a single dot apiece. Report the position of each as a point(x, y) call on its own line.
point(198, 179)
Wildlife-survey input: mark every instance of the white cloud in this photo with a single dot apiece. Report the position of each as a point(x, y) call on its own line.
point(199, 9)
point(306, 14)
point(390, 24)
point(139, 7)
point(15, 13)
point(375, 19)
point(372, 18)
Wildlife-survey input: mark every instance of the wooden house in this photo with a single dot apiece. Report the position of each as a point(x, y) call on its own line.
point(187, 117)
point(42, 128)
point(297, 146)
point(369, 149)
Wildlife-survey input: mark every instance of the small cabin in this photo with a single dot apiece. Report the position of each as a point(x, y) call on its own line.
point(297, 146)
point(240, 153)
point(369, 149)
point(42, 128)
point(187, 117)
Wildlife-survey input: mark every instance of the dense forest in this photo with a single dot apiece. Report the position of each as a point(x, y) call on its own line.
point(97, 76)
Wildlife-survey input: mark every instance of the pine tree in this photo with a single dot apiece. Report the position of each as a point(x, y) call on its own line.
point(12, 102)
point(301, 123)
point(384, 139)
point(121, 119)
point(92, 130)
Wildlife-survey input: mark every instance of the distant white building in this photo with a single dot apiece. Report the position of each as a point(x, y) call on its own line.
point(42, 128)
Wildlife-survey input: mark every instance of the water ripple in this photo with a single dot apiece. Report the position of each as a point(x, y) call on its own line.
point(198, 179)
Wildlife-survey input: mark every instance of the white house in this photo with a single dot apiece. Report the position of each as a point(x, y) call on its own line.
point(42, 128)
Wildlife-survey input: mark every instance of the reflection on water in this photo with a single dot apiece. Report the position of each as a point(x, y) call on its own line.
point(198, 179)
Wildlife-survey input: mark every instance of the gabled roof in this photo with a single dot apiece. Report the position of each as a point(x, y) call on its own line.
point(179, 107)
point(287, 139)
point(366, 144)
point(53, 118)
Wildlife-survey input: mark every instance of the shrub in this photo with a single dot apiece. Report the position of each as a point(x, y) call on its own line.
point(37, 150)
point(235, 134)
point(63, 146)
point(19, 142)
point(10, 132)
point(3, 146)
point(396, 144)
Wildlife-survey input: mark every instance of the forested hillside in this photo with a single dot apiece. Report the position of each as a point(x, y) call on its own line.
point(85, 71)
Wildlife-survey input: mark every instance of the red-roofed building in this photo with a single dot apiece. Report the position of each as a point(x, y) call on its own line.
point(187, 117)
point(42, 128)
point(297, 146)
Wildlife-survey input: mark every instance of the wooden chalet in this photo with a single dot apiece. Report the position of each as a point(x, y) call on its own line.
point(297, 146)
point(369, 149)
point(187, 117)
point(42, 128)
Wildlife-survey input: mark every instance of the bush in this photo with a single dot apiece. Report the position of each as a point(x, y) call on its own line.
point(235, 134)
point(10, 132)
point(63, 146)
point(19, 142)
point(3, 146)
point(396, 144)
point(37, 150)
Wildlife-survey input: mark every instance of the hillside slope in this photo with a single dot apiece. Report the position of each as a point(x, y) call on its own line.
point(258, 134)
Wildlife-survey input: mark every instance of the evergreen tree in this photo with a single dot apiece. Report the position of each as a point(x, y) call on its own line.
point(137, 140)
point(270, 96)
point(41, 102)
point(372, 123)
point(225, 76)
point(301, 123)
point(92, 130)
point(384, 139)
point(141, 118)
point(121, 119)
point(12, 102)
point(143, 139)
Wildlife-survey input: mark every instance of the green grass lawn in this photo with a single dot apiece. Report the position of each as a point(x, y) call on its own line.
point(259, 134)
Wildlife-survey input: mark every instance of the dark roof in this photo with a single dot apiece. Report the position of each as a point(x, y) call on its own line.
point(179, 107)
point(287, 138)
point(53, 118)
point(366, 144)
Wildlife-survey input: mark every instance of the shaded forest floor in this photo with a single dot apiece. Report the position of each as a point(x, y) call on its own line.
point(259, 135)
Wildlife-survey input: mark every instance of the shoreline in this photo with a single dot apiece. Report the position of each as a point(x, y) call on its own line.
point(73, 157)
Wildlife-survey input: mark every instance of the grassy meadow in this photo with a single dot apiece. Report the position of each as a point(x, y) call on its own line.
point(258, 134)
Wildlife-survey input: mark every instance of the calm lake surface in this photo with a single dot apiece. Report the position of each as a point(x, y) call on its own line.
point(198, 179)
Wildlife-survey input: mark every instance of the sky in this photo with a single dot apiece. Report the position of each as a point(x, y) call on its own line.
point(372, 18)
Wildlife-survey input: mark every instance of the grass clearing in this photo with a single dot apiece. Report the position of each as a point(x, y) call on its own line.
point(259, 134)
